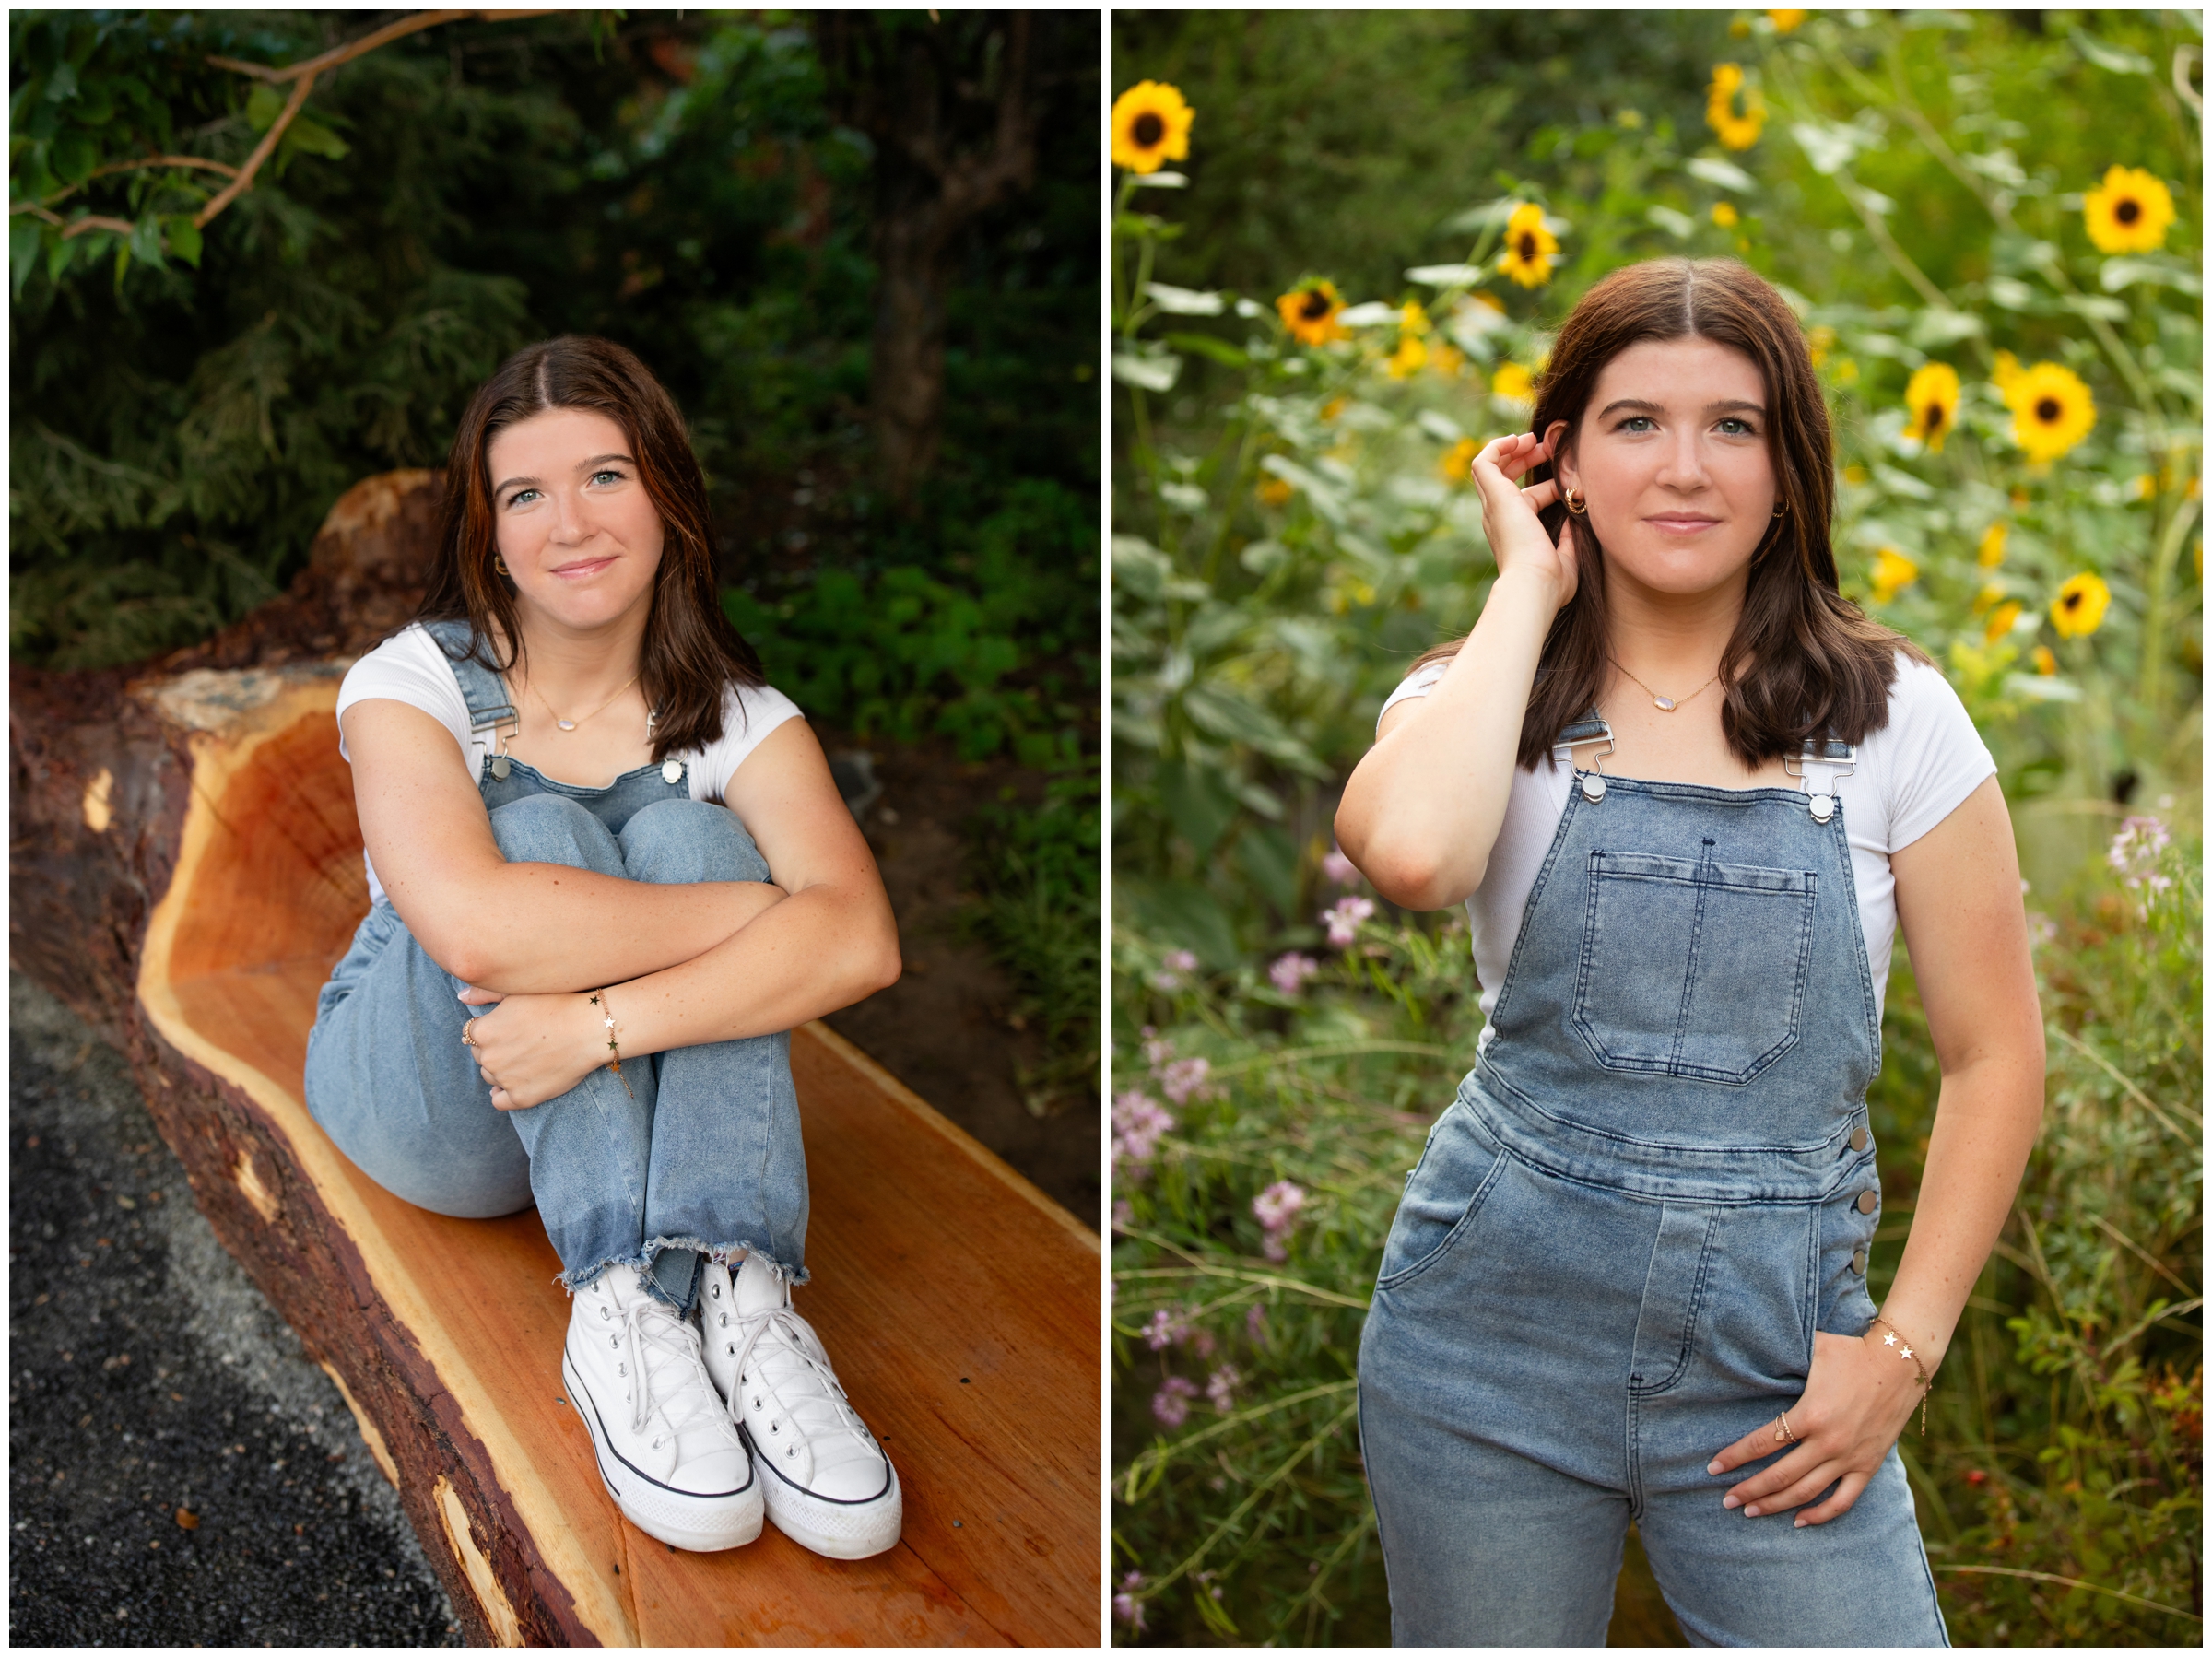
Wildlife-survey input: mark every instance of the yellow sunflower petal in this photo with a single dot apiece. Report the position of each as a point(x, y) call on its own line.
point(1309, 310)
point(2078, 610)
point(1991, 553)
point(1150, 124)
point(1892, 573)
point(1513, 382)
point(1932, 401)
point(2052, 411)
point(1529, 247)
point(2129, 213)
point(1453, 463)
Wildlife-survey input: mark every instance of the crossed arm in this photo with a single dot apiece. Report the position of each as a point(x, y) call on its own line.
point(682, 965)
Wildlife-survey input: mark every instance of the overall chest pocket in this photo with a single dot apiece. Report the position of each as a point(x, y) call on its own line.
point(1692, 969)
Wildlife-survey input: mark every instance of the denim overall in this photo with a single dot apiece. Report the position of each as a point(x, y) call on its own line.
point(1654, 1188)
point(699, 1156)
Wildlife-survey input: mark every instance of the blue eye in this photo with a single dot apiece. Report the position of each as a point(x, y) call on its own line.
point(1735, 428)
point(1636, 420)
point(616, 475)
point(519, 496)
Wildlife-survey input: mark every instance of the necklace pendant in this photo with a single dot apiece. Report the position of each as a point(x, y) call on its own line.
point(1665, 704)
point(566, 725)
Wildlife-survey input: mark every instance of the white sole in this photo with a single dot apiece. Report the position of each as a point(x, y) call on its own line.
point(836, 1529)
point(716, 1523)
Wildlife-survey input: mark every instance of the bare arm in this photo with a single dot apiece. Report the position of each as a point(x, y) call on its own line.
point(1958, 903)
point(515, 927)
point(831, 943)
point(1422, 810)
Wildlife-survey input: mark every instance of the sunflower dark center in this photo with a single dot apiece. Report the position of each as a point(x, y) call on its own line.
point(1147, 130)
point(2127, 212)
point(2048, 410)
point(1528, 246)
point(1316, 305)
point(1934, 416)
point(2070, 599)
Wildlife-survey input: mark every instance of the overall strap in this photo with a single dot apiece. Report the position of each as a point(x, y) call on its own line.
point(480, 687)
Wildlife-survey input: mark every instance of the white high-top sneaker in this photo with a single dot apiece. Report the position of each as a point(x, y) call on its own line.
point(663, 1440)
point(827, 1484)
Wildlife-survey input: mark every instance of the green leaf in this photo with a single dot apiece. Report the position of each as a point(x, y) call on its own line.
point(22, 250)
point(263, 106)
point(72, 156)
point(1205, 345)
point(314, 138)
point(184, 239)
point(2105, 57)
point(60, 255)
point(146, 242)
point(61, 85)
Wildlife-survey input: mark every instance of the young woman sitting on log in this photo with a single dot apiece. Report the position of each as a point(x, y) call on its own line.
point(609, 871)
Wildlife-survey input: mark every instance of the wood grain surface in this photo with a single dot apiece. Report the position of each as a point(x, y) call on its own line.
point(960, 1306)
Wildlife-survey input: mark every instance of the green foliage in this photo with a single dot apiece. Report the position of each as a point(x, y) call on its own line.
point(901, 651)
point(1037, 870)
point(1293, 526)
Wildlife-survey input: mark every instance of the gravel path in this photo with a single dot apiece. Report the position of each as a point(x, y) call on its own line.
point(179, 1473)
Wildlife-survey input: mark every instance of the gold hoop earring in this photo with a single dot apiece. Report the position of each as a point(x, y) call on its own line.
point(1579, 508)
point(500, 564)
point(1781, 509)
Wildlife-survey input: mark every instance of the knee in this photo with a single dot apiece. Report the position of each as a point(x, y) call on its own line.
point(680, 842)
point(548, 828)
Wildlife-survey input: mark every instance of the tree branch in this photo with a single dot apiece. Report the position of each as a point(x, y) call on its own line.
point(312, 66)
point(93, 221)
point(261, 151)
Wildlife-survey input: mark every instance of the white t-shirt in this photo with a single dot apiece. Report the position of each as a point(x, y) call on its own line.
point(1910, 774)
point(410, 667)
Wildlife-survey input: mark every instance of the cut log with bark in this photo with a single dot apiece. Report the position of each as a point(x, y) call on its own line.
point(185, 867)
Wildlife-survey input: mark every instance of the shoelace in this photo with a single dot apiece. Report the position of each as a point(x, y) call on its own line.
point(797, 1340)
point(674, 1338)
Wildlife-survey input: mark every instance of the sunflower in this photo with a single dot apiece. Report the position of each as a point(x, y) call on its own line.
point(1273, 491)
point(1309, 310)
point(2045, 662)
point(2008, 374)
point(1529, 247)
point(1991, 553)
point(1447, 360)
point(1452, 466)
point(1734, 131)
point(1409, 358)
point(1513, 382)
point(1726, 215)
point(1150, 124)
point(2001, 620)
point(2052, 411)
point(1819, 344)
point(1412, 318)
point(2079, 607)
point(2129, 214)
point(1932, 396)
point(1893, 571)
point(1786, 21)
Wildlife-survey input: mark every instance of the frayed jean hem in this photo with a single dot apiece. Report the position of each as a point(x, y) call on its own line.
point(723, 1255)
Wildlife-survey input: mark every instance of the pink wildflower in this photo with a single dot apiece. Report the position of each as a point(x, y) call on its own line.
point(1126, 1605)
point(1291, 971)
point(1166, 1328)
point(1343, 917)
point(1277, 1207)
point(1138, 1121)
point(1171, 1403)
point(1222, 1387)
point(1339, 868)
point(1184, 1079)
point(1176, 968)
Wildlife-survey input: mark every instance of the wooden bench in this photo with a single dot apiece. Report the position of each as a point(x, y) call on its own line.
point(961, 1305)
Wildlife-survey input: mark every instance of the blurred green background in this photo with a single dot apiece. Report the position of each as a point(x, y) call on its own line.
point(1292, 526)
point(750, 201)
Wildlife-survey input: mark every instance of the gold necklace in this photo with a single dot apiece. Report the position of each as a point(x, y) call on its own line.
point(1665, 704)
point(570, 724)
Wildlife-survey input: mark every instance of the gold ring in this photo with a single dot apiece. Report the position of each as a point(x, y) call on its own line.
point(1782, 1431)
point(467, 1039)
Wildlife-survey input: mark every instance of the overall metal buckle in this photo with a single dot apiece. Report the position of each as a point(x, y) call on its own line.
point(1837, 759)
point(1579, 735)
point(502, 723)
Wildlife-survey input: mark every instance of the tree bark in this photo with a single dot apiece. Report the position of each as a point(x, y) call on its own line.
point(951, 109)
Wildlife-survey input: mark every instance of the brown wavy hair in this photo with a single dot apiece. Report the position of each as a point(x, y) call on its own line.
point(690, 653)
point(1803, 660)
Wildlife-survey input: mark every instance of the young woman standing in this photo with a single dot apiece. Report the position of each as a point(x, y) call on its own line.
point(609, 873)
point(1687, 793)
